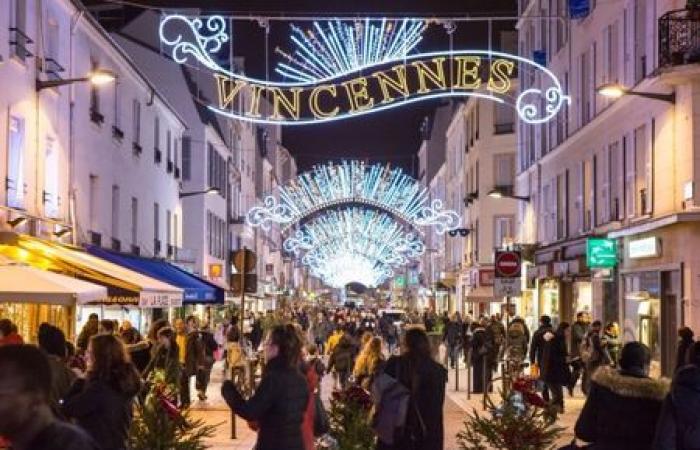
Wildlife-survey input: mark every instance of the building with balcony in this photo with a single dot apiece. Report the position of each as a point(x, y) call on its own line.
point(623, 169)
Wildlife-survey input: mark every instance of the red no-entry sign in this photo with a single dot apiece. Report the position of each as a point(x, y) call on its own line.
point(507, 264)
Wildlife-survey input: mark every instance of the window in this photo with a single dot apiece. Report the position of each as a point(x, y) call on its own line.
point(640, 40)
point(156, 229)
point(175, 231)
point(15, 164)
point(614, 179)
point(562, 202)
point(18, 26)
point(168, 228)
point(503, 119)
point(642, 159)
point(93, 201)
point(176, 159)
point(168, 151)
point(584, 91)
point(216, 170)
point(134, 221)
point(504, 172)
point(115, 212)
point(136, 116)
point(587, 186)
point(52, 199)
point(117, 107)
point(186, 158)
point(95, 114)
point(503, 230)
point(156, 133)
point(52, 68)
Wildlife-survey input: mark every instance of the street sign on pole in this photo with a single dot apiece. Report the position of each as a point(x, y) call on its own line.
point(507, 267)
point(244, 260)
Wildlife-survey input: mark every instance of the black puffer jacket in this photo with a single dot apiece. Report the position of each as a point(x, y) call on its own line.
point(278, 406)
point(621, 411)
point(679, 424)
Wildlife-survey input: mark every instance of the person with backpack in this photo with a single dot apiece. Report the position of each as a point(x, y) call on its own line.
point(592, 354)
point(480, 354)
point(342, 359)
point(419, 386)
point(517, 339)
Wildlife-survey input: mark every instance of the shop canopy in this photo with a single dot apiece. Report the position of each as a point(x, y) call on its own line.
point(124, 286)
point(195, 289)
point(23, 283)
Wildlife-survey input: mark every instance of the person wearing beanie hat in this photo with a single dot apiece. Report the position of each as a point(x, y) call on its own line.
point(623, 405)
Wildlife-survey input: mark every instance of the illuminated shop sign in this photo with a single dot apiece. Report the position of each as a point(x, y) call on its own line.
point(644, 248)
point(341, 70)
point(601, 253)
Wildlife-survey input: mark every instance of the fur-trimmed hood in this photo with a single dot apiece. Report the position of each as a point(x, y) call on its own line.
point(629, 386)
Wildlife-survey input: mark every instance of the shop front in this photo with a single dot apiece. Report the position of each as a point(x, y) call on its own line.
point(31, 296)
point(129, 293)
point(654, 281)
point(478, 299)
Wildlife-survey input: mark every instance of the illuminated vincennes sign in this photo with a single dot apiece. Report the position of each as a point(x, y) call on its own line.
point(341, 71)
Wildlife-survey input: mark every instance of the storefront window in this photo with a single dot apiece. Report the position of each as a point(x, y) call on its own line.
point(642, 320)
point(583, 297)
point(28, 317)
point(550, 300)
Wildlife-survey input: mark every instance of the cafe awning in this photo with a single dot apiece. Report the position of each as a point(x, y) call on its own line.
point(481, 294)
point(23, 283)
point(195, 289)
point(124, 286)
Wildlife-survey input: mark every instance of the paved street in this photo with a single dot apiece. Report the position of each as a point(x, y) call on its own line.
point(215, 411)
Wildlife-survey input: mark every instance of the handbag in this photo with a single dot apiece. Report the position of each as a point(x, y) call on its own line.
point(322, 423)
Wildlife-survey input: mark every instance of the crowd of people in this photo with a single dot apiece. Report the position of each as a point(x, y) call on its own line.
point(57, 395)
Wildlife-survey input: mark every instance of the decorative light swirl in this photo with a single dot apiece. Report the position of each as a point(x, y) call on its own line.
point(532, 112)
point(434, 215)
point(270, 212)
point(207, 38)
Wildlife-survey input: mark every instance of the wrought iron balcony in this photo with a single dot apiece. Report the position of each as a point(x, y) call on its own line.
point(19, 42)
point(679, 37)
point(53, 69)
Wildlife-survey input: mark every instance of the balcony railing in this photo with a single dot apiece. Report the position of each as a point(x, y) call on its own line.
point(19, 42)
point(53, 69)
point(679, 37)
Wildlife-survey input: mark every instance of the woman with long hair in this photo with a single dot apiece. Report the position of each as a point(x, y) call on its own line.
point(425, 379)
point(368, 363)
point(101, 402)
point(280, 401)
point(165, 357)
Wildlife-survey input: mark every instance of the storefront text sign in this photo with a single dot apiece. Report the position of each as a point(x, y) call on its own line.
point(644, 248)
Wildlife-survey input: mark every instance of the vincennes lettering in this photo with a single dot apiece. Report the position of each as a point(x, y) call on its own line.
point(320, 102)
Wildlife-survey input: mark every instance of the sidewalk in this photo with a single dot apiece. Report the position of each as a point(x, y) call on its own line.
point(215, 411)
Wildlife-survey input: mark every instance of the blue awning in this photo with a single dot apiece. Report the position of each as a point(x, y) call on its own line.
point(196, 290)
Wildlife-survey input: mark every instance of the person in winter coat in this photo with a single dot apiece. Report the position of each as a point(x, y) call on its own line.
point(537, 349)
point(342, 359)
point(517, 339)
point(611, 342)
point(165, 357)
point(555, 369)
point(598, 356)
point(369, 362)
point(26, 418)
point(678, 427)
point(192, 359)
point(579, 330)
point(497, 331)
point(90, 329)
point(53, 342)
point(451, 336)
point(209, 346)
point(685, 340)
point(279, 403)
point(426, 379)
point(102, 402)
point(623, 406)
point(8, 333)
point(480, 354)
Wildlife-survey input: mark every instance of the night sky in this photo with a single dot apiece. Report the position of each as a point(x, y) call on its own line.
point(391, 136)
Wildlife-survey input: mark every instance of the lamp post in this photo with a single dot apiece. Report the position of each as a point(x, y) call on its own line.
point(209, 191)
point(97, 77)
point(504, 193)
point(615, 90)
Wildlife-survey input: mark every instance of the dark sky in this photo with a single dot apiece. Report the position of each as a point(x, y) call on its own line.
point(390, 136)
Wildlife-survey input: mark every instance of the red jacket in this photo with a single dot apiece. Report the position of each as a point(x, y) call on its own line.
point(12, 339)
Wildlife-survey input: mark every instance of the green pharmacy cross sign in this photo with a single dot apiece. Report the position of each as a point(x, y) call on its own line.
point(601, 253)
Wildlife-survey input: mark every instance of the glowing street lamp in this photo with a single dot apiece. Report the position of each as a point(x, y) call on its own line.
point(209, 191)
point(501, 193)
point(615, 90)
point(97, 77)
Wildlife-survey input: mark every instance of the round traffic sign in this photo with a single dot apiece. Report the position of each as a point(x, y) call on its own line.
point(244, 260)
point(507, 264)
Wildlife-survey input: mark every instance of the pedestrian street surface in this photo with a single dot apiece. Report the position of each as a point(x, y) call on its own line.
point(215, 412)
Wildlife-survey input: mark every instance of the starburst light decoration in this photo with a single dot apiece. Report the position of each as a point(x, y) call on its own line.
point(353, 182)
point(340, 48)
point(353, 222)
